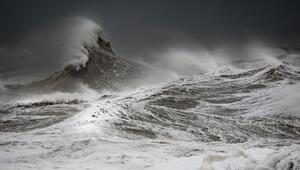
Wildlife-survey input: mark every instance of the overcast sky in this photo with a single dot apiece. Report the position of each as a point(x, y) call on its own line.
point(146, 22)
point(138, 26)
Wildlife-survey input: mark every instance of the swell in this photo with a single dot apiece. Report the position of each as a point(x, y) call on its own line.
point(228, 108)
point(102, 70)
point(231, 109)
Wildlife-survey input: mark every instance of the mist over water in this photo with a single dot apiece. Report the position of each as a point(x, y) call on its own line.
point(45, 51)
point(180, 107)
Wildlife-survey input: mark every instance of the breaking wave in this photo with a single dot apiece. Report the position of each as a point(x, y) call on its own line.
point(214, 111)
point(84, 33)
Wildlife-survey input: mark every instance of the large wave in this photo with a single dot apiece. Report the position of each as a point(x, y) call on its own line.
point(84, 33)
point(90, 60)
point(209, 109)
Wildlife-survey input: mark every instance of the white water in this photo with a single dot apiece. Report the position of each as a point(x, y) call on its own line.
point(87, 142)
point(212, 113)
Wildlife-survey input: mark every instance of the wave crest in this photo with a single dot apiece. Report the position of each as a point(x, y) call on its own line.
point(84, 33)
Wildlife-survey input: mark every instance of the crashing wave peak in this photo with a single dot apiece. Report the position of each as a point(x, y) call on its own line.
point(84, 34)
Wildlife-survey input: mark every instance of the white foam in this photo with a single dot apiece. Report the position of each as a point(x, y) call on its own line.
point(288, 100)
point(83, 93)
point(83, 32)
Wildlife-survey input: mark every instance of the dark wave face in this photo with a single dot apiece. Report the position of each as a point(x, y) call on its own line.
point(242, 115)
